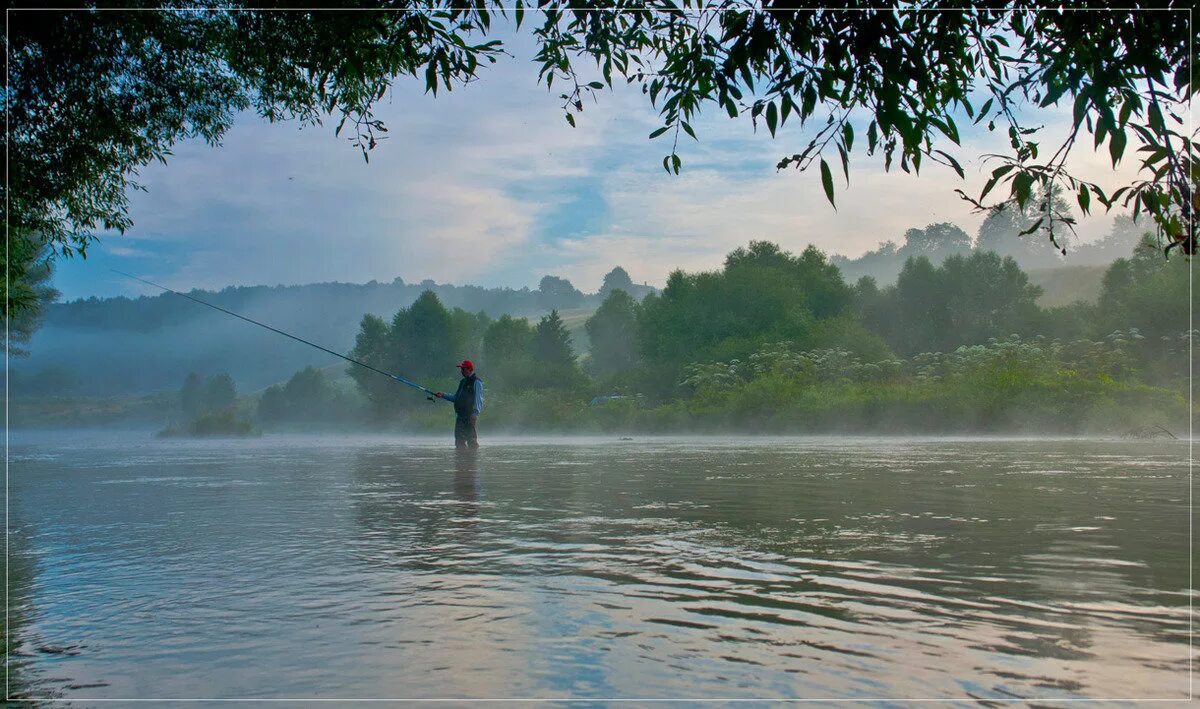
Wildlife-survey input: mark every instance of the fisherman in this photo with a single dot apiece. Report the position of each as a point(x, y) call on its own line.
point(468, 402)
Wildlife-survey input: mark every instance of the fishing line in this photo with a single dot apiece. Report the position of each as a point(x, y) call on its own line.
point(351, 360)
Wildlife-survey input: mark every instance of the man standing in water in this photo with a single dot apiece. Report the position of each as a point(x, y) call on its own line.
point(468, 402)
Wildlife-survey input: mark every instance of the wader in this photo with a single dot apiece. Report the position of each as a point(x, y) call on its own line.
point(464, 432)
point(464, 410)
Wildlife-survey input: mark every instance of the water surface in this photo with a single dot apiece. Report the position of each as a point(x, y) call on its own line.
point(296, 567)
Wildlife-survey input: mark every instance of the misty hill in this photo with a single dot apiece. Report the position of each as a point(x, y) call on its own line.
point(108, 346)
point(1002, 233)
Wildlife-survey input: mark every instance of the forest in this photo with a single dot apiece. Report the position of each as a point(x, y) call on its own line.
point(781, 342)
point(942, 333)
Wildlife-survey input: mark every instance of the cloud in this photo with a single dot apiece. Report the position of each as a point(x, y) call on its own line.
point(488, 184)
point(457, 188)
point(730, 193)
point(125, 251)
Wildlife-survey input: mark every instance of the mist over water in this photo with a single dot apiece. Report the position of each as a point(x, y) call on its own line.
point(835, 567)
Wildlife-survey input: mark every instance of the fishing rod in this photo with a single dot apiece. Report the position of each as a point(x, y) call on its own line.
point(351, 360)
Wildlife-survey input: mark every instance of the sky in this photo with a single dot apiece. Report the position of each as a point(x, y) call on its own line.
point(489, 185)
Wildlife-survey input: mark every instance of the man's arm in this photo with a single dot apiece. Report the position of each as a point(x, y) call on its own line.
point(478, 396)
point(447, 397)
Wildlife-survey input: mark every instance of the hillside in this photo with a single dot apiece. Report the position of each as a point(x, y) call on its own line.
point(136, 346)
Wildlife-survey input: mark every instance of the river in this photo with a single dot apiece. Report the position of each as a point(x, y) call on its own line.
point(700, 568)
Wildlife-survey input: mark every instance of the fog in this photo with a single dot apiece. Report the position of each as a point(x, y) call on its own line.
point(961, 341)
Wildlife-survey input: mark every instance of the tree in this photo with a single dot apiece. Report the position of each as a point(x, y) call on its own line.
point(616, 279)
point(219, 393)
point(881, 264)
point(95, 96)
point(309, 388)
point(27, 289)
point(762, 295)
point(192, 396)
point(371, 346)
point(552, 352)
point(612, 330)
point(420, 339)
point(965, 301)
point(273, 406)
point(908, 72)
point(508, 353)
point(936, 241)
point(1013, 230)
point(308, 395)
point(555, 292)
point(424, 341)
point(1147, 292)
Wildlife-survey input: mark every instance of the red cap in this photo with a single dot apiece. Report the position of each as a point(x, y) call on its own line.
point(467, 364)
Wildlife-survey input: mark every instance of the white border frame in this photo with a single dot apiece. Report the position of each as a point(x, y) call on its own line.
point(579, 700)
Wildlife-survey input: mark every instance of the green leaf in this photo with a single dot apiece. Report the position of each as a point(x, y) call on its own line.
point(1085, 199)
point(1022, 187)
point(953, 130)
point(688, 129)
point(1054, 94)
point(983, 111)
point(987, 187)
point(595, 85)
point(1081, 104)
point(848, 136)
point(810, 101)
point(953, 163)
point(1156, 119)
point(676, 162)
point(845, 164)
point(1102, 128)
point(658, 132)
point(827, 182)
point(1116, 146)
point(1033, 227)
point(1002, 170)
point(571, 120)
point(772, 117)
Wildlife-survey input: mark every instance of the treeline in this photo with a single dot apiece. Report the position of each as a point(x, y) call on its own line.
point(779, 341)
point(142, 345)
point(151, 313)
point(209, 408)
point(1001, 234)
point(426, 340)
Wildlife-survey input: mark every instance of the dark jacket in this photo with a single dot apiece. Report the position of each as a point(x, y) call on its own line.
point(468, 400)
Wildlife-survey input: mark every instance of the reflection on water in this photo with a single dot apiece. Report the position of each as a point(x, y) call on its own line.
point(890, 568)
